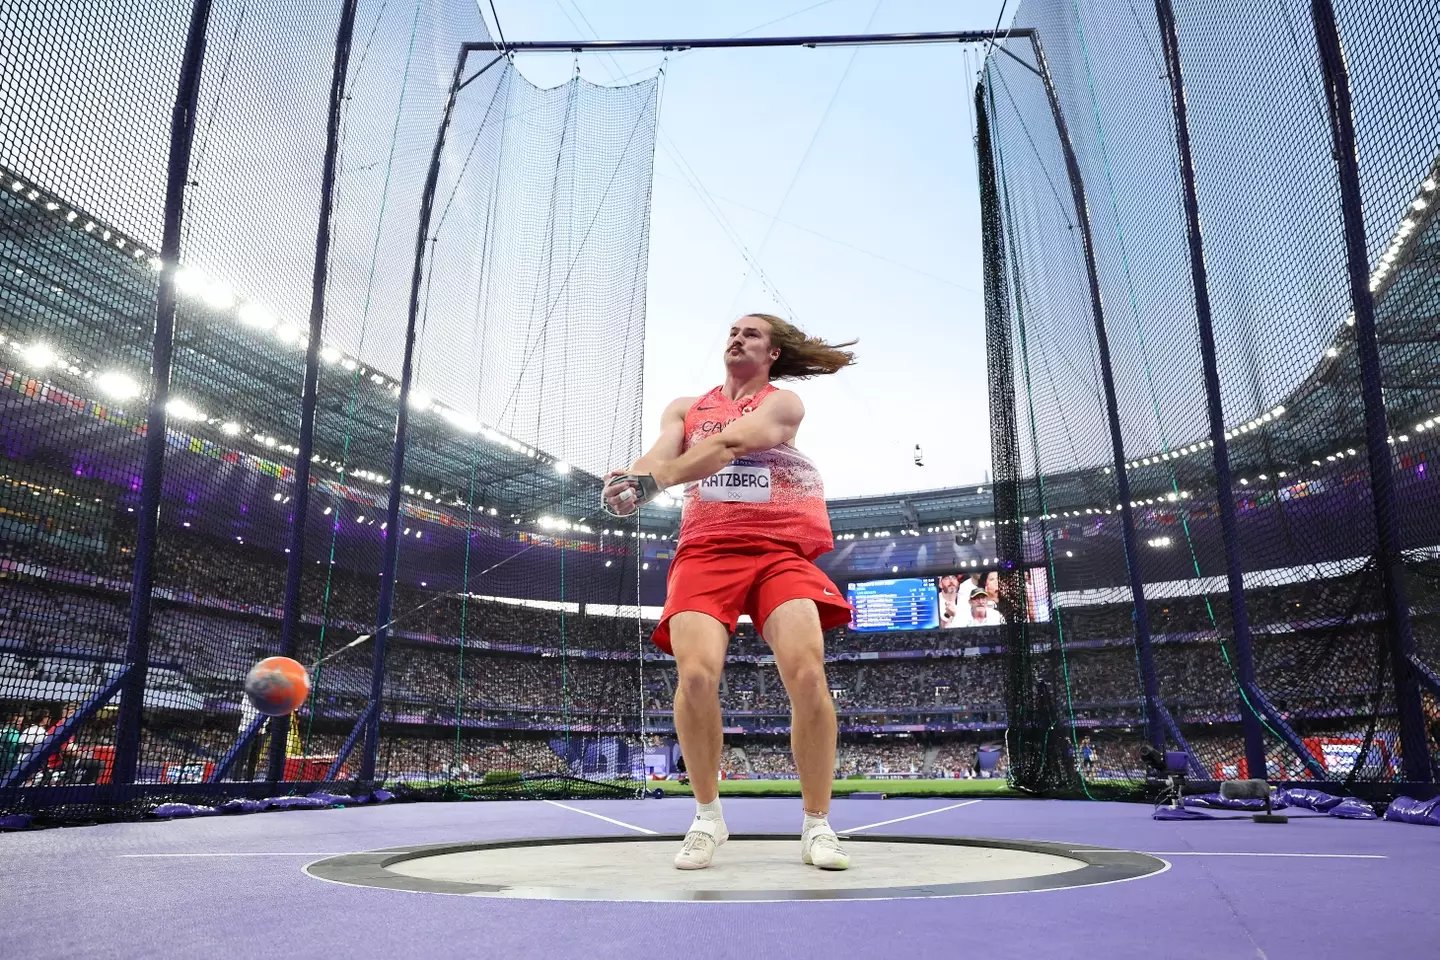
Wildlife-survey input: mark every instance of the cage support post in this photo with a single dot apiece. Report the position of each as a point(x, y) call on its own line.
point(1219, 448)
point(1154, 724)
point(397, 463)
point(1398, 633)
point(290, 616)
point(137, 644)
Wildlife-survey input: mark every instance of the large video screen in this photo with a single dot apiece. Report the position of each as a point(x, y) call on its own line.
point(909, 603)
point(948, 602)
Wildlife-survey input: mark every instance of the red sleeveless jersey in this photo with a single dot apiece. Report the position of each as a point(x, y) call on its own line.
point(775, 494)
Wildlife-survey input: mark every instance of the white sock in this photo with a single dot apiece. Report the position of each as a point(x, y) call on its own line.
point(709, 811)
point(811, 822)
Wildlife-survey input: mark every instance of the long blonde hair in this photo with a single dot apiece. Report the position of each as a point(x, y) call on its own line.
point(802, 356)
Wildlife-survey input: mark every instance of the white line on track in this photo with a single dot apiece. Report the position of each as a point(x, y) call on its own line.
point(597, 816)
point(285, 853)
point(913, 816)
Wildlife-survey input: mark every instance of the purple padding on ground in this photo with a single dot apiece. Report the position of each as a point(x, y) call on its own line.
point(1172, 813)
point(1213, 801)
point(336, 799)
point(381, 796)
point(1310, 798)
point(240, 805)
point(172, 810)
point(296, 803)
point(1352, 808)
point(19, 821)
point(1410, 810)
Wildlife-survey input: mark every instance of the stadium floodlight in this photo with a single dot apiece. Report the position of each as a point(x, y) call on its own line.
point(119, 385)
point(561, 467)
point(38, 355)
point(419, 400)
point(182, 409)
point(230, 428)
point(190, 281)
point(289, 333)
point(329, 354)
point(460, 421)
point(255, 316)
point(219, 296)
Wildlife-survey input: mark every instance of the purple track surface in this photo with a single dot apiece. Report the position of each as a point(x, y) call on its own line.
point(234, 887)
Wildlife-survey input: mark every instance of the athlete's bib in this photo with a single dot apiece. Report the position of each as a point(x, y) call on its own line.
point(744, 481)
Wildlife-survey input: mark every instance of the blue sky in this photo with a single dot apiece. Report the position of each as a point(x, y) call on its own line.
point(849, 176)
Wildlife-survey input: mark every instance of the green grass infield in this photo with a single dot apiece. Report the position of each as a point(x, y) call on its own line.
point(891, 788)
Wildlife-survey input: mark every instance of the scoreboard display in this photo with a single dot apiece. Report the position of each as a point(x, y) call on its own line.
point(909, 603)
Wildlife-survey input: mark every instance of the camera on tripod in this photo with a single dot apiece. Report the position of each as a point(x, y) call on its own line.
point(1171, 767)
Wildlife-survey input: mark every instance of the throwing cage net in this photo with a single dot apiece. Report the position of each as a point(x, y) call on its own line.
point(1320, 666)
point(274, 213)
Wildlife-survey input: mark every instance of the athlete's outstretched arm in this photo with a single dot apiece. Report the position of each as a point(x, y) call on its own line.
point(671, 441)
point(774, 423)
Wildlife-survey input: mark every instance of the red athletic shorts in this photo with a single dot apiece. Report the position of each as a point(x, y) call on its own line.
point(725, 578)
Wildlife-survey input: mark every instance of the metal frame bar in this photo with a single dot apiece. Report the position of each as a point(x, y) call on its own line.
point(27, 768)
point(719, 43)
point(1197, 772)
point(383, 615)
point(362, 726)
point(1287, 733)
point(1427, 677)
point(137, 645)
point(289, 624)
point(1154, 725)
point(1377, 433)
point(1224, 484)
point(222, 769)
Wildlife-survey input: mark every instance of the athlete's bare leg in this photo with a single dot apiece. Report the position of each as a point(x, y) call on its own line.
point(794, 635)
point(699, 641)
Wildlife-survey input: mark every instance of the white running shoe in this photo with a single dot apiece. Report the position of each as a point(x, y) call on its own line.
point(819, 846)
point(698, 849)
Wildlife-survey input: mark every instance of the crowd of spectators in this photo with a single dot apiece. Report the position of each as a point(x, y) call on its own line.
point(1318, 654)
point(55, 635)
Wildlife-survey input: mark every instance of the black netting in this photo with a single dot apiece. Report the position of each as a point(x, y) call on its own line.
point(525, 387)
point(1323, 641)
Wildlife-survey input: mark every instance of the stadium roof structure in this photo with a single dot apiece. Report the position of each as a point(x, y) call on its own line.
point(239, 370)
point(238, 362)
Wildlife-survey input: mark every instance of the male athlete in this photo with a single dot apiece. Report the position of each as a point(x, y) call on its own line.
point(753, 521)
